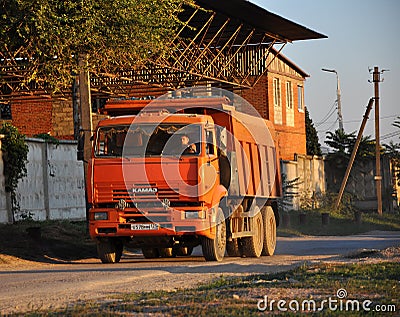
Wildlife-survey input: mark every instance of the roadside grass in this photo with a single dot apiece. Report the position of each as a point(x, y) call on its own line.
point(239, 296)
point(339, 223)
point(47, 241)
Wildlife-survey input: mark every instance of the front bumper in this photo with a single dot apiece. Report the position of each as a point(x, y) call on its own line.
point(152, 223)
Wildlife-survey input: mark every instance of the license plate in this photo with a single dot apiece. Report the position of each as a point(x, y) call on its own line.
point(144, 226)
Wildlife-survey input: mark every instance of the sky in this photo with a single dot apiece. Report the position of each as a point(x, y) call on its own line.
point(361, 34)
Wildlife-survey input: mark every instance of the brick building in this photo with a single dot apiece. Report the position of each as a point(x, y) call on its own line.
point(279, 97)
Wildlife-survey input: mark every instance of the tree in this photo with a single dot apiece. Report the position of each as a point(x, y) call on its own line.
point(397, 123)
point(393, 151)
point(366, 147)
point(312, 142)
point(15, 157)
point(49, 36)
point(340, 142)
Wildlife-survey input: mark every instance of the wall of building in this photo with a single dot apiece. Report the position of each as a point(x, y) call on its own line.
point(257, 96)
point(62, 119)
point(54, 185)
point(291, 138)
point(32, 117)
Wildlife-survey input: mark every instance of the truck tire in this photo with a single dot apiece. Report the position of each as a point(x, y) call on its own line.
point(214, 249)
point(232, 248)
point(150, 253)
point(106, 251)
point(166, 252)
point(269, 230)
point(253, 246)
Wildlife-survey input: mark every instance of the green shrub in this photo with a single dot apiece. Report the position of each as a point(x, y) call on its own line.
point(15, 157)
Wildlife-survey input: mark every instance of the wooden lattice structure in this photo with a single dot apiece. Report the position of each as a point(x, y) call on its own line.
point(225, 43)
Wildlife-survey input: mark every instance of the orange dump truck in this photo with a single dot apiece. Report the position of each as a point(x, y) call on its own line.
point(147, 191)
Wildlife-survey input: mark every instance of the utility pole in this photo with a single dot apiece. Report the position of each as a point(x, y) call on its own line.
point(338, 97)
point(376, 78)
point(339, 102)
point(85, 112)
point(354, 152)
point(85, 108)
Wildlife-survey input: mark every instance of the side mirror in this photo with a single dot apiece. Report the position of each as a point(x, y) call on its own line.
point(223, 139)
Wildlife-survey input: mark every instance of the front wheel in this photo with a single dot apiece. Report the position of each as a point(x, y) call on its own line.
point(109, 251)
point(214, 249)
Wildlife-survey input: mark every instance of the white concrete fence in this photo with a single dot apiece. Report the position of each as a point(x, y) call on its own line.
point(310, 172)
point(54, 187)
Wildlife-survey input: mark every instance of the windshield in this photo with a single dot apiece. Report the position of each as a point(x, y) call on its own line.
point(148, 140)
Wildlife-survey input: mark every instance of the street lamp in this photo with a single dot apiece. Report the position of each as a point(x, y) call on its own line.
point(339, 102)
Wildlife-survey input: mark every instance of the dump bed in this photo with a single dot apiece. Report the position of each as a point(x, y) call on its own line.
point(251, 150)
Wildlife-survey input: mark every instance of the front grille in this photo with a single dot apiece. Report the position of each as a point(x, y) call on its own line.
point(129, 196)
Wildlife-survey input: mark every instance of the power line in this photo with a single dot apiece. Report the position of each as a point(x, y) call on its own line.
point(390, 135)
point(330, 128)
point(357, 121)
point(326, 120)
point(329, 113)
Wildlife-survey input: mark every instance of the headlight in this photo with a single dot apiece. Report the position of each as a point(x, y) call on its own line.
point(100, 216)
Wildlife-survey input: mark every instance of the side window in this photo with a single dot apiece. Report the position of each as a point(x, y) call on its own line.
point(289, 95)
point(210, 142)
point(277, 92)
point(277, 101)
point(300, 98)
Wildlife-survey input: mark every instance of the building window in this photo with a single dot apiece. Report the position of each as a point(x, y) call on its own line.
point(300, 98)
point(5, 111)
point(277, 101)
point(289, 95)
point(289, 105)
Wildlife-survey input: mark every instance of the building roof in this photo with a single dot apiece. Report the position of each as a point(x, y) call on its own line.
point(261, 19)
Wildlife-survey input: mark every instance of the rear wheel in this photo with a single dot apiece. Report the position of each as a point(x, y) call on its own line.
point(214, 249)
point(107, 252)
point(253, 246)
point(150, 253)
point(269, 222)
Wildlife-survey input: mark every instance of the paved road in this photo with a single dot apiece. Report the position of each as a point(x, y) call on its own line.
point(54, 285)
